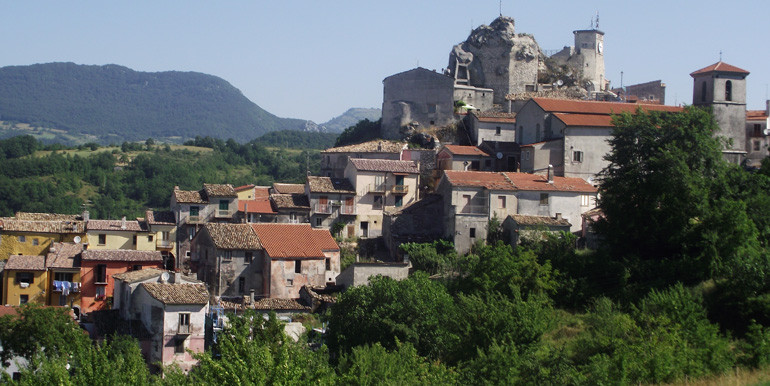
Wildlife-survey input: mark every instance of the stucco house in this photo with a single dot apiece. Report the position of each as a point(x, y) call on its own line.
point(335, 160)
point(757, 135)
point(33, 233)
point(492, 126)
point(63, 264)
point(256, 208)
point(26, 280)
point(457, 157)
point(98, 266)
point(331, 200)
point(228, 258)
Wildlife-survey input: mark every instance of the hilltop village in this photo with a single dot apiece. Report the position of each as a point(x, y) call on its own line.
point(506, 140)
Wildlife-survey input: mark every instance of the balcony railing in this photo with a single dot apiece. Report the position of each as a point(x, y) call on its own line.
point(348, 209)
point(474, 209)
point(377, 188)
point(323, 208)
point(400, 189)
point(184, 330)
point(224, 213)
point(194, 219)
point(60, 286)
point(163, 243)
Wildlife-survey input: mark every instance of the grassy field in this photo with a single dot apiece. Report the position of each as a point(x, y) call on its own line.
point(116, 149)
point(737, 376)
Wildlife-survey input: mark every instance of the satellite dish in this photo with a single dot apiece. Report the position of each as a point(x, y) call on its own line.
point(164, 277)
point(766, 131)
point(499, 155)
point(559, 82)
point(77, 239)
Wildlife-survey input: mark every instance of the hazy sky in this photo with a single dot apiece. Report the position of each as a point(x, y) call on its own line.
point(316, 59)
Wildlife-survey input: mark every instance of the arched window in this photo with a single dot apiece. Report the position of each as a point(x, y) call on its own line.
point(703, 92)
point(729, 91)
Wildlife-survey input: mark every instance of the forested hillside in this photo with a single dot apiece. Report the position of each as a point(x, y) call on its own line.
point(117, 104)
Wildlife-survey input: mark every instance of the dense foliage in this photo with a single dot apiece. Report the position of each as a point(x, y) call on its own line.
point(116, 103)
point(291, 139)
point(363, 131)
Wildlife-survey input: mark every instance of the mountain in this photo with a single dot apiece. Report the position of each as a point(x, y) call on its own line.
point(350, 118)
point(114, 103)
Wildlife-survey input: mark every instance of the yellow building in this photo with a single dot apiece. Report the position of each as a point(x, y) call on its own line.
point(25, 281)
point(63, 264)
point(33, 233)
point(118, 234)
point(162, 227)
point(245, 192)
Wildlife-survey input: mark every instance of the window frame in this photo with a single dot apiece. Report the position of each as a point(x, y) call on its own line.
point(544, 199)
point(298, 266)
point(577, 156)
point(102, 239)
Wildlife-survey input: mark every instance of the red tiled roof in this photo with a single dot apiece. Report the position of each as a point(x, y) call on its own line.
point(8, 310)
point(280, 304)
point(244, 187)
point(324, 240)
point(114, 225)
point(289, 188)
point(536, 182)
point(487, 180)
point(25, 263)
point(330, 185)
point(465, 150)
point(384, 165)
point(63, 255)
point(260, 205)
point(290, 201)
point(585, 120)
point(539, 220)
point(121, 255)
point(232, 236)
point(262, 191)
point(756, 115)
point(219, 190)
point(720, 66)
point(594, 107)
point(293, 241)
point(168, 293)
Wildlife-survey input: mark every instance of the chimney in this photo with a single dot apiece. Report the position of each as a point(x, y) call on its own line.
point(558, 216)
point(176, 187)
point(509, 106)
point(86, 215)
point(251, 295)
point(123, 223)
point(177, 278)
point(379, 146)
point(550, 174)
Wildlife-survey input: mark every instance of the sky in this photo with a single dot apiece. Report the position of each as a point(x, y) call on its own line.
point(315, 59)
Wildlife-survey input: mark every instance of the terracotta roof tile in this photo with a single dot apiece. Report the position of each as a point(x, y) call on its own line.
point(495, 116)
point(114, 225)
point(8, 310)
point(138, 275)
point(324, 240)
point(189, 197)
point(539, 220)
point(11, 224)
point(755, 115)
point(244, 187)
point(293, 241)
point(290, 201)
point(259, 205)
point(487, 180)
point(168, 293)
point(720, 66)
point(233, 236)
point(537, 182)
point(121, 255)
point(376, 146)
point(465, 150)
point(594, 107)
point(330, 185)
point(47, 216)
point(219, 190)
point(64, 255)
point(280, 305)
point(585, 120)
point(25, 263)
point(160, 217)
point(289, 188)
point(384, 165)
point(262, 191)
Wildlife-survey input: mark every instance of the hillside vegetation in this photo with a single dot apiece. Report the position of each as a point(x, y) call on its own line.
point(116, 104)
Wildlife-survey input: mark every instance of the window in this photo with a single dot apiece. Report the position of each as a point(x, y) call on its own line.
point(577, 156)
point(729, 91)
point(135, 239)
point(501, 202)
point(298, 266)
point(179, 345)
point(227, 255)
point(22, 239)
point(379, 182)
point(102, 239)
point(474, 165)
point(318, 221)
point(100, 292)
point(472, 233)
point(100, 273)
point(289, 282)
point(328, 264)
point(187, 254)
point(399, 201)
point(224, 204)
point(756, 145)
point(35, 241)
point(585, 200)
point(184, 319)
point(23, 299)
point(248, 257)
point(543, 198)
point(703, 92)
point(757, 129)
point(293, 217)
point(241, 285)
point(63, 276)
point(498, 130)
point(194, 210)
point(377, 203)
point(149, 238)
point(364, 229)
point(24, 278)
point(164, 236)
point(136, 267)
point(431, 108)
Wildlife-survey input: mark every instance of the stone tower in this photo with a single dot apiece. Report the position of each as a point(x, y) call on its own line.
point(723, 88)
point(589, 50)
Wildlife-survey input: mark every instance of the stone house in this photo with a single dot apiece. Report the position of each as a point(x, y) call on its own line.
point(518, 226)
point(296, 255)
point(228, 258)
point(331, 200)
point(457, 157)
point(757, 141)
point(33, 233)
point(292, 208)
point(570, 135)
point(380, 184)
point(359, 273)
point(492, 126)
point(415, 222)
point(335, 160)
point(175, 315)
point(98, 266)
point(505, 155)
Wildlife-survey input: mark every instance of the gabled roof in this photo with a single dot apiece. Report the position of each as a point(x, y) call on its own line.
point(474, 179)
point(585, 120)
point(168, 293)
point(232, 236)
point(539, 220)
point(219, 190)
point(47, 216)
point(290, 201)
point(261, 191)
point(495, 116)
point(465, 150)
point(294, 241)
point(115, 225)
point(280, 305)
point(384, 165)
point(64, 255)
point(25, 263)
point(121, 255)
point(288, 188)
point(244, 187)
point(376, 146)
point(595, 107)
point(138, 275)
point(259, 205)
point(719, 66)
point(12, 224)
point(330, 185)
point(537, 182)
point(756, 115)
point(189, 197)
point(160, 217)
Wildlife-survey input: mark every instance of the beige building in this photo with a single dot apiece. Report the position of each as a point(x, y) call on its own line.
point(335, 160)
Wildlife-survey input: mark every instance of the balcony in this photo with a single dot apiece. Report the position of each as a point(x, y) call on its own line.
point(348, 209)
point(473, 209)
point(164, 244)
point(224, 213)
point(194, 219)
point(400, 189)
point(377, 188)
point(60, 286)
point(184, 330)
point(323, 208)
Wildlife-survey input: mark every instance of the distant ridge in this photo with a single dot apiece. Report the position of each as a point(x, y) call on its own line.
point(350, 118)
point(115, 103)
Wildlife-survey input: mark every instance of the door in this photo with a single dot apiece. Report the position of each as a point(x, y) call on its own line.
point(351, 231)
point(364, 229)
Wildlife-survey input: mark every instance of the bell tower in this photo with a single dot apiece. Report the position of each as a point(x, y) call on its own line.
point(723, 88)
